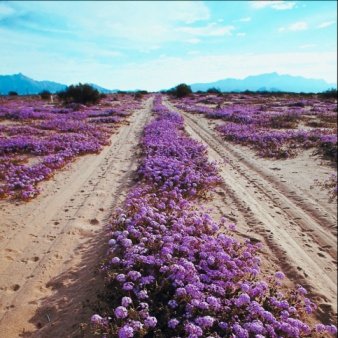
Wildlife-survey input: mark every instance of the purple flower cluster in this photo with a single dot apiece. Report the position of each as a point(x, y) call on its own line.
point(171, 269)
point(269, 124)
point(278, 143)
point(37, 138)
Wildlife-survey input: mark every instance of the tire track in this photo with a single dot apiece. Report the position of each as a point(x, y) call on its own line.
point(300, 241)
point(55, 233)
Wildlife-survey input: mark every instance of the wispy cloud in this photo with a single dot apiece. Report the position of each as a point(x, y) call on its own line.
point(211, 68)
point(208, 30)
point(326, 24)
point(145, 22)
point(132, 44)
point(5, 10)
point(193, 41)
point(158, 73)
point(307, 46)
point(278, 5)
point(297, 26)
point(246, 19)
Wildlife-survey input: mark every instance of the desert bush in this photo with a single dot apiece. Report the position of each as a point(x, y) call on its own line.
point(12, 93)
point(330, 93)
point(213, 90)
point(318, 124)
point(45, 95)
point(288, 121)
point(330, 184)
point(299, 104)
point(328, 147)
point(81, 93)
point(181, 90)
point(139, 94)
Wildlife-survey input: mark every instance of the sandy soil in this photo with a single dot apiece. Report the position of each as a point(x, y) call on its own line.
point(275, 202)
point(51, 247)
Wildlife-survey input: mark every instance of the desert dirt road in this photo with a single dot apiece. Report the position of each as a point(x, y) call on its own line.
point(297, 226)
point(51, 247)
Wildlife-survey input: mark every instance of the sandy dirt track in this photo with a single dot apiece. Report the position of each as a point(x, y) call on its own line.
point(296, 223)
point(51, 247)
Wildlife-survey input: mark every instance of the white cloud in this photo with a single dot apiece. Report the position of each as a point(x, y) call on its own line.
point(297, 26)
point(278, 5)
point(208, 30)
point(5, 10)
point(95, 52)
point(189, 12)
point(166, 72)
point(193, 52)
point(326, 24)
point(100, 36)
point(246, 19)
point(201, 68)
point(308, 45)
point(193, 40)
point(139, 22)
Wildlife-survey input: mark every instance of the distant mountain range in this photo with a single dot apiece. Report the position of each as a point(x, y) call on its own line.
point(24, 85)
point(267, 82)
point(273, 82)
point(103, 90)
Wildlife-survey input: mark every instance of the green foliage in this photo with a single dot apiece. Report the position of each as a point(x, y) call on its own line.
point(330, 93)
point(81, 93)
point(213, 90)
point(181, 90)
point(45, 95)
point(139, 94)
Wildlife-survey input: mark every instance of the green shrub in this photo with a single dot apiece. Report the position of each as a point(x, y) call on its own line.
point(12, 93)
point(81, 93)
point(330, 93)
point(139, 94)
point(45, 95)
point(213, 90)
point(181, 90)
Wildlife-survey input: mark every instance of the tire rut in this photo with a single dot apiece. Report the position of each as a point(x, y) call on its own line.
point(300, 240)
point(54, 237)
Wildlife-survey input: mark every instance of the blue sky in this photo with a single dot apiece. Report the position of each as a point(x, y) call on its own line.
point(154, 45)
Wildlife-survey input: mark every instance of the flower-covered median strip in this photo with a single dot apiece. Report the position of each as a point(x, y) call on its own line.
point(172, 271)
